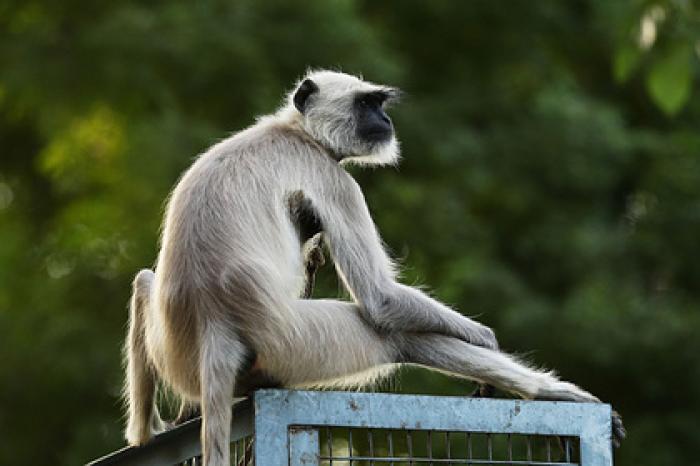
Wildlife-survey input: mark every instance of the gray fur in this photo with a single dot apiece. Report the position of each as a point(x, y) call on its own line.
point(231, 269)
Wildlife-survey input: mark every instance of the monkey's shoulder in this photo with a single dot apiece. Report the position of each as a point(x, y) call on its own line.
point(276, 157)
point(270, 137)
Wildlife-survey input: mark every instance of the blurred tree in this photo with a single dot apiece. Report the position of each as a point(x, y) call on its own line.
point(550, 184)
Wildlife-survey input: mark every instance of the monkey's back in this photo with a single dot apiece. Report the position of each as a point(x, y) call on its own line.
point(227, 231)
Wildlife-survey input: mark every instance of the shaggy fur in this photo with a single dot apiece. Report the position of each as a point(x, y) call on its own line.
point(231, 269)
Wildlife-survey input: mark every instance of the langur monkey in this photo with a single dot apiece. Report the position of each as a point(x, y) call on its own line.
point(223, 312)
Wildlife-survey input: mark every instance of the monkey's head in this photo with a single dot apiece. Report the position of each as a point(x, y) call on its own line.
point(346, 115)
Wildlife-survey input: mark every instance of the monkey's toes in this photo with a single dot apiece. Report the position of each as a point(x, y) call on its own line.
point(484, 391)
point(618, 429)
point(137, 437)
point(187, 415)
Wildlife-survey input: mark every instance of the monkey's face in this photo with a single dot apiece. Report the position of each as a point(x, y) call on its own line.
point(347, 116)
point(373, 124)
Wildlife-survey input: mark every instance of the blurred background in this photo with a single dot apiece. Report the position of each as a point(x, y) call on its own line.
point(550, 185)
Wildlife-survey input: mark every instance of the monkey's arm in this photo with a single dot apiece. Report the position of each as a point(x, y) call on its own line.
point(368, 273)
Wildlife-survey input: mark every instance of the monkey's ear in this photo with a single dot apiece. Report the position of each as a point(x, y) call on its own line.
point(301, 95)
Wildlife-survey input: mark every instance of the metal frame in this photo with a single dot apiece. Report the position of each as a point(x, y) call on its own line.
point(285, 424)
point(179, 444)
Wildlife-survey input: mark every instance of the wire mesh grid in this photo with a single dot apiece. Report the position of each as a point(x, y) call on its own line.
point(242, 454)
point(361, 446)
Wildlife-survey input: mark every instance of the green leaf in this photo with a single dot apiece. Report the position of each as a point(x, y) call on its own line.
point(625, 61)
point(669, 79)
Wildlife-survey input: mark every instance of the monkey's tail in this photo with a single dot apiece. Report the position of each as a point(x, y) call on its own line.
point(140, 386)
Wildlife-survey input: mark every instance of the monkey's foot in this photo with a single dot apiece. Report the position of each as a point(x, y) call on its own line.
point(136, 437)
point(484, 391)
point(618, 429)
point(186, 414)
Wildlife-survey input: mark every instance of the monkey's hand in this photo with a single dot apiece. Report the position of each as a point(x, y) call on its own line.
point(313, 260)
point(313, 253)
point(482, 336)
point(474, 333)
point(400, 308)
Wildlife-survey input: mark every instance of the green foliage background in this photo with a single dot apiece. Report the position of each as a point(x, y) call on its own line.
point(550, 185)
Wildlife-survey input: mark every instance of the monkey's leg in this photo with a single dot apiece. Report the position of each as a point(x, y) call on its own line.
point(328, 344)
point(143, 419)
point(221, 357)
point(495, 368)
point(455, 357)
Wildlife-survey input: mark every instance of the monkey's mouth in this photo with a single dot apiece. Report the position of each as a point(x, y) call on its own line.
point(377, 135)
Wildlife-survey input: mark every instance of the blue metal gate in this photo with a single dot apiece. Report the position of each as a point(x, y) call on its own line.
point(284, 427)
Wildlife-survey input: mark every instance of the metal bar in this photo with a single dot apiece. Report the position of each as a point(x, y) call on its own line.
point(250, 450)
point(276, 415)
point(304, 447)
point(177, 445)
point(510, 447)
point(389, 411)
point(390, 442)
point(446, 460)
point(448, 445)
point(271, 430)
point(430, 445)
point(595, 444)
point(329, 442)
point(469, 447)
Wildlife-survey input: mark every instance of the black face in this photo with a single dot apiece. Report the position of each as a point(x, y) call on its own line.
point(373, 124)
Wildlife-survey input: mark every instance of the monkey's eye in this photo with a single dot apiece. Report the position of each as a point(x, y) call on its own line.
point(367, 101)
point(372, 99)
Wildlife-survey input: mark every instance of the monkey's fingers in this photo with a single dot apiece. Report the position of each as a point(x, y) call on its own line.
point(484, 337)
point(316, 258)
point(618, 429)
point(313, 260)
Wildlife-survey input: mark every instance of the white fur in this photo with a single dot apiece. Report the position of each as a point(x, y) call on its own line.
point(230, 270)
